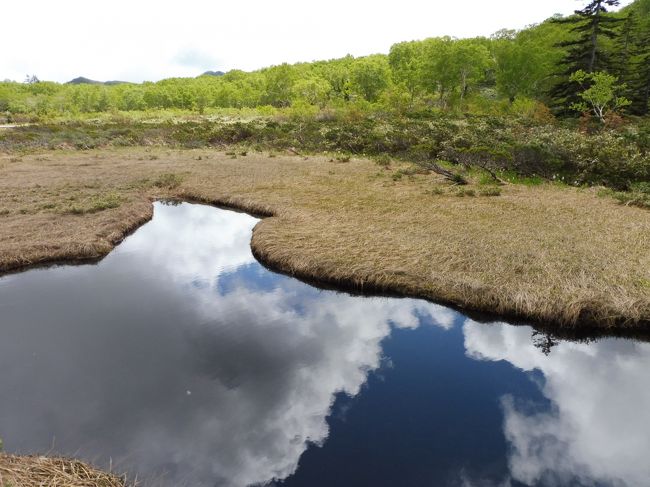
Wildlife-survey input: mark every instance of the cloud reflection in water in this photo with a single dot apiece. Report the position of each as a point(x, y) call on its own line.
point(145, 358)
point(597, 430)
point(184, 361)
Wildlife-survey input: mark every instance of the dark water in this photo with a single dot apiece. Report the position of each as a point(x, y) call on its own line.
point(181, 360)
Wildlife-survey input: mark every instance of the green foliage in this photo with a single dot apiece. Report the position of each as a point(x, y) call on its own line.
point(526, 60)
point(312, 91)
point(591, 30)
point(480, 103)
point(370, 76)
point(634, 197)
point(510, 72)
point(405, 60)
point(600, 93)
point(506, 147)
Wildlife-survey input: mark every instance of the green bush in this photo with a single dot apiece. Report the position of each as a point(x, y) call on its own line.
point(502, 146)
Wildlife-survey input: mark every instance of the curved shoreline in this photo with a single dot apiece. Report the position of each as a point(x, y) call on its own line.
point(562, 257)
point(401, 286)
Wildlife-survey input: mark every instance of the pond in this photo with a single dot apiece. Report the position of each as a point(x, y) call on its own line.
point(180, 360)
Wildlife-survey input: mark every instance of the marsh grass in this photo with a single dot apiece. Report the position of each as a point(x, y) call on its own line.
point(462, 192)
point(382, 160)
point(553, 254)
point(167, 180)
point(40, 471)
point(92, 205)
point(490, 191)
point(436, 190)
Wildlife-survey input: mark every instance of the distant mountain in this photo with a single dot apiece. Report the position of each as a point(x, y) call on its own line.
point(86, 81)
point(213, 73)
point(83, 81)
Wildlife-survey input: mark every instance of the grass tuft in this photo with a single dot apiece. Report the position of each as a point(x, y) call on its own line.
point(490, 191)
point(38, 471)
point(461, 192)
point(95, 204)
point(167, 180)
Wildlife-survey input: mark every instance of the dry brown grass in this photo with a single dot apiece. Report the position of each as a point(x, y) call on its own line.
point(38, 471)
point(560, 256)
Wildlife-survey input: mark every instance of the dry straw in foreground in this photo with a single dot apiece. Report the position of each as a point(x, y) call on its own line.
point(38, 471)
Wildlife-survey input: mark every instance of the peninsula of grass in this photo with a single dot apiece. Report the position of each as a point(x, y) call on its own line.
point(559, 256)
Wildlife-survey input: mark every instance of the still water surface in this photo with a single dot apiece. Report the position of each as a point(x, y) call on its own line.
point(181, 360)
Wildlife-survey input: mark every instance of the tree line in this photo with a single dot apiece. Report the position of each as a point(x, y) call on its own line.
point(553, 64)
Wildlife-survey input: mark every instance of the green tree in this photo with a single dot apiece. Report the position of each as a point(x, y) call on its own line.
point(452, 67)
point(436, 77)
point(312, 90)
point(589, 26)
point(337, 74)
point(599, 95)
point(525, 60)
point(370, 76)
point(636, 63)
point(406, 63)
point(471, 60)
point(279, 85)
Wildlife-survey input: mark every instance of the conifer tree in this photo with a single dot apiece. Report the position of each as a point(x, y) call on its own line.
point(637, 73)
point(639, 78)
point(584, 52)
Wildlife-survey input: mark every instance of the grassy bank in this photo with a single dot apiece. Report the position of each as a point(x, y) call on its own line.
point(38, 471)
point(546, 252)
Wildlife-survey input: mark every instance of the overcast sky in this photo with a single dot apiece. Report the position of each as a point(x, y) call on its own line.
point(136, 40)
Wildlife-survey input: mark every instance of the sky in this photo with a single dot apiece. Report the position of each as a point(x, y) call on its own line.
point(143, 40)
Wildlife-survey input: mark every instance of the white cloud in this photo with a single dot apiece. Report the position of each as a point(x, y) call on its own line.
point(598, 427)
point(137, 41)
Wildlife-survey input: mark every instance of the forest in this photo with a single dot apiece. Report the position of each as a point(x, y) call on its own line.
point(524, 73)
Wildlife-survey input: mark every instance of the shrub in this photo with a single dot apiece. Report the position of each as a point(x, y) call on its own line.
point(382, 160)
